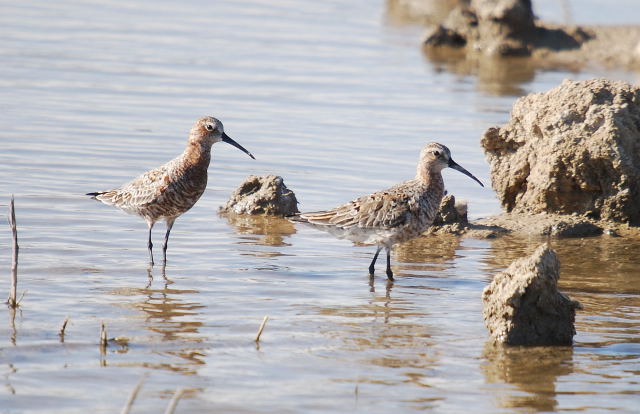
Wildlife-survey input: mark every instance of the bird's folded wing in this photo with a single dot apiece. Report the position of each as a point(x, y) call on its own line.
point(384, 209)
point(145, 189)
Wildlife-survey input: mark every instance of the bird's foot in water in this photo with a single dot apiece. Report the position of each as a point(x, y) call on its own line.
point(390, 274)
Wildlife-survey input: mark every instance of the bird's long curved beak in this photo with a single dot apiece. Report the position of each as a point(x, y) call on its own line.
point(456, 166)
point(226, 138)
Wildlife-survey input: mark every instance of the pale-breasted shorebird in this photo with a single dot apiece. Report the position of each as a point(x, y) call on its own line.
point(168, 191)
point(391, 216)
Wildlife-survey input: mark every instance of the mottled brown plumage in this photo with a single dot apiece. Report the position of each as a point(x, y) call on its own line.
point(168, 191)
point(397, 214)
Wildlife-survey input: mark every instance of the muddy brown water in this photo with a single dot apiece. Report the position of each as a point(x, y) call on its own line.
point(338, 101)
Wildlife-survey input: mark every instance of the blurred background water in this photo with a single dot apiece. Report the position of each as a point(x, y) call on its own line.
point(336, 97)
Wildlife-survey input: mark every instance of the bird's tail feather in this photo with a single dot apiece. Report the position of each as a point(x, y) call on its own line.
point(295, 217)
point(94, 195)
point(104, 196)
point(315, 217)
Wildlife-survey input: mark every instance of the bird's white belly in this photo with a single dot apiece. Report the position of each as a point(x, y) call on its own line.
point(371, 236)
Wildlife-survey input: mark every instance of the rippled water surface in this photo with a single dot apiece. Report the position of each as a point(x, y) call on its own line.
point(338, 100)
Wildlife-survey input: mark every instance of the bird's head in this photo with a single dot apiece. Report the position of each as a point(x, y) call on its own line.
point(435, 157)
point(209, 130)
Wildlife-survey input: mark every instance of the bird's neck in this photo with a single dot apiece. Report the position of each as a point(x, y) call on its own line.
point(431, 180)
point(197, 154)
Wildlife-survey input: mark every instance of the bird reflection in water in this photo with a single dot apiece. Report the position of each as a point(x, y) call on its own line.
point(388, 287)
point(382, 323)
point(170, 314)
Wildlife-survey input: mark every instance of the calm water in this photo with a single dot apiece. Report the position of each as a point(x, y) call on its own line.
point(337, 100)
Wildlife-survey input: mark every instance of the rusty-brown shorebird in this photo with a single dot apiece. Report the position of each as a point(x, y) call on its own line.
point(391, 216)
point(168, 191)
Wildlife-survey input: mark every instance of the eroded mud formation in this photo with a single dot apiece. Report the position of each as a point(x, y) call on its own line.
point(468, 31)
point(501, 28)
point(262, 195)
point(522, 305)
point(572, 150)
point(451, 217)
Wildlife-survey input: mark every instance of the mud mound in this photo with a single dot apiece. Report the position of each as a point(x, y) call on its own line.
point(522, 305)
point(467, 34)
point(573, 149)
point(451, 217)
point(500, 28)
point(262, 195)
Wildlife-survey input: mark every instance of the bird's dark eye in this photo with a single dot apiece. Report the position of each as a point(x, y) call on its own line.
point(436, 153)
point(209, 127)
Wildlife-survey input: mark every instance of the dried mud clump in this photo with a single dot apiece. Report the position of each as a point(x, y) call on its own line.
point(451, 217)
point(451, 212)
point(262, 195)
point(522, 305)
point(574, 149)
point(500, 28)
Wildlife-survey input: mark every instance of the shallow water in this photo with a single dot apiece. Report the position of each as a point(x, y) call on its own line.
point(336, 99)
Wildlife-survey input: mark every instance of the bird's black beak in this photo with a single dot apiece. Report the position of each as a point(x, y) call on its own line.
point(456, 166)
point(226, 138)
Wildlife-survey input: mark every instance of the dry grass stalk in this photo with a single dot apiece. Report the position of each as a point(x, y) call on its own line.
point(133, 395)
point(174, 400)
point(262, 325)
point(103, 337)
point(64, 326)
point(13, 299)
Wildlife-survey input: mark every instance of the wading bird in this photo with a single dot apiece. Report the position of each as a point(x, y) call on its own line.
point(168, 191)
point(395, 215)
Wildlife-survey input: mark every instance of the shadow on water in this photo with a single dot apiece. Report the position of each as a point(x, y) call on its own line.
point(532, 370)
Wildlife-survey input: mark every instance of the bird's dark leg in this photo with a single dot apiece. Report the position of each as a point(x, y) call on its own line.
point(373, 262)
point(166, 239)
point(389, 272)
point(149, 244)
